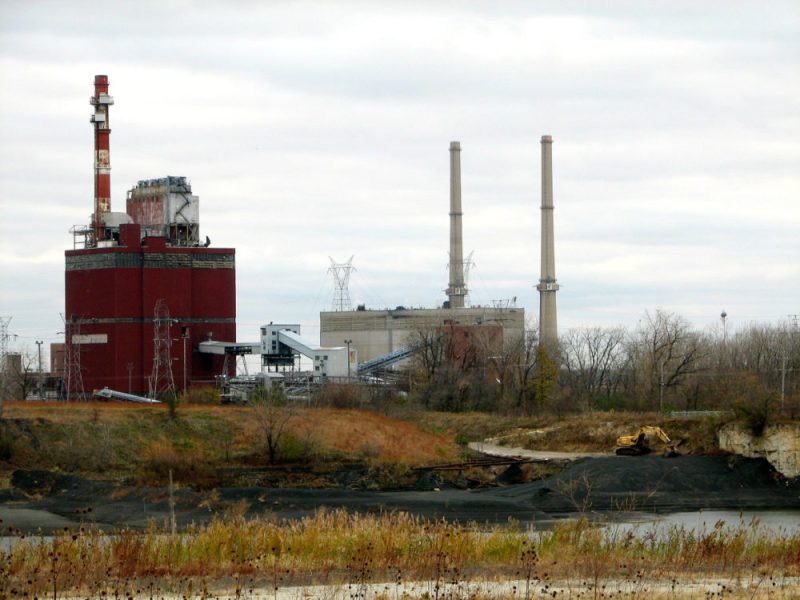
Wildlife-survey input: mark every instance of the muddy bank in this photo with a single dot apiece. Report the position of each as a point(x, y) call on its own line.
point(590, 485)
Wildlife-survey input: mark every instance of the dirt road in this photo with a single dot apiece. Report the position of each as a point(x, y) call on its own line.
point(495, 450)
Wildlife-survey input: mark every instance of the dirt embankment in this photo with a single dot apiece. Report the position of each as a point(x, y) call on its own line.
point(597, 432)
point(779, 444)
point(110, 465)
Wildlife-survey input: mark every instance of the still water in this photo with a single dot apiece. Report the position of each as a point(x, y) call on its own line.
point(777, 521)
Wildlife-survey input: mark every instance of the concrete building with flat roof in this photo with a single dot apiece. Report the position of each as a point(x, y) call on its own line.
point(377, 332)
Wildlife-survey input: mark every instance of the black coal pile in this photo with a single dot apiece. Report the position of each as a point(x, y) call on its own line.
point(659, 484)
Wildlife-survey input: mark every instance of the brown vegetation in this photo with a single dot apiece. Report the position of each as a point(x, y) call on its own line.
point(353, 550)
point(123, 440)
point(662, 364)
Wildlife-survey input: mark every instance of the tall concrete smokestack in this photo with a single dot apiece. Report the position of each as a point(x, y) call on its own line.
point(548, 326)
point(102, 159)
point(456, 290)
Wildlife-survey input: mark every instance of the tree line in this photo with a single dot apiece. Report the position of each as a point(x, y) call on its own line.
point(663, 363)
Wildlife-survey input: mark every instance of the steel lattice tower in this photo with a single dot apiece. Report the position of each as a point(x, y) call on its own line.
point(4, 336)
point(468, 265)
point(73, 375)
point(341, 279)
point(161, 381)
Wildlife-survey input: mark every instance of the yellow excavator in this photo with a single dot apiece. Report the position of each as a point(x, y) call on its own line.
point(639, 443)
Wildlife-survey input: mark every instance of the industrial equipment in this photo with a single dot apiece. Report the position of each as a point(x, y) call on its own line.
point(639, 443)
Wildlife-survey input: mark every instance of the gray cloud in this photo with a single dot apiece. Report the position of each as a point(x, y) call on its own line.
point(313, 129)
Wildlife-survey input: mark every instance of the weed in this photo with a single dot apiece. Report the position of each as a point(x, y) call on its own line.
point(398, 546)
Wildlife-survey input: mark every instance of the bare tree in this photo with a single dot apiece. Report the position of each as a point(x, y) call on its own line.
point(666, 351)
point(769, 353)
point(593, 359)
point(272, 412)
point(432, 351)
point(20, 375)
point(516, 367)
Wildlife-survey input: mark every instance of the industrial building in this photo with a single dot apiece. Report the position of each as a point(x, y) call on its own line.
point(141, 290)
point(374, 333)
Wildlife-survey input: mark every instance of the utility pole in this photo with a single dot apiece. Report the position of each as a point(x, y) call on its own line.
point(783, 378)
point(348, 342)
point(184, 337)
point(40, 382)
point(130, 376)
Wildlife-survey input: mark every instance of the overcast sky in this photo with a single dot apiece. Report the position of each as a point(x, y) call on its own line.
point(316, 129)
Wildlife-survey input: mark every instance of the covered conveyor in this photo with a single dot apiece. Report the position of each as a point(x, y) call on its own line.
point(281, 345)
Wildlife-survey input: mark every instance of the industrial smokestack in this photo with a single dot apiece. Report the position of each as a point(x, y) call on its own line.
point(548, 326)
point(102, 159)
point(456, 290)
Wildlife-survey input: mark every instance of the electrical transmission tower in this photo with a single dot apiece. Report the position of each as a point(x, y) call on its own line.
point(4, 337)
point(161, 381)
point(341, 279)
point(468, 265)
point(73, 375)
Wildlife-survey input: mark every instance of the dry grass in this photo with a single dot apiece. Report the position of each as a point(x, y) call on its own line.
point(115, 439)
point(375, 437)
point(336, 547)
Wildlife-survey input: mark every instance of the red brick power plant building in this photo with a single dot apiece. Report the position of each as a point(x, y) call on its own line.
point(141, 290)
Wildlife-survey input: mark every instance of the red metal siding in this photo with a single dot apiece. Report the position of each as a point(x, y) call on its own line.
point(148, 211)
point(119, 302)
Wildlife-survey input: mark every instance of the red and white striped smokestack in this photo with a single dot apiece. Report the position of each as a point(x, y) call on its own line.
point(102, 159)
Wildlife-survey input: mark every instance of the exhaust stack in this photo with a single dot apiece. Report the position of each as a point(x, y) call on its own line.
point(456, 290)
point(548, 327)
point(102, 159)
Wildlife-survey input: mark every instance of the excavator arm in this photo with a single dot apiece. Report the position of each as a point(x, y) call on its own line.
point(638, 443)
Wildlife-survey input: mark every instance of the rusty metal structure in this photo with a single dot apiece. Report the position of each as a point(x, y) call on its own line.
point(166, 207)
point(122, 264)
